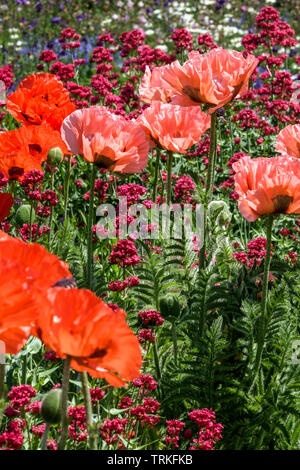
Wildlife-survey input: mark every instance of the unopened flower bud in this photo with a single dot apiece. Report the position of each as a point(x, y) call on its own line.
point(54, 157)
point(50, 409)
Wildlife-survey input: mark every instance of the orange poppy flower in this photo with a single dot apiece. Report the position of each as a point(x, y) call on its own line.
point(6, 202)
point(176, 128)
point(78, 324)
point(19, 306)
point(108, 140)
point(40, 97)
point(44, 268)
point(288, 141)
point(26, 148)
point(267, 186)
point(215, 78)
point(26, 271)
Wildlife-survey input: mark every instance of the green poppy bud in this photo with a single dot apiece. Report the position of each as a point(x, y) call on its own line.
point(169, 306)
point(23, 215)
point(50, 409)
point(54, 157)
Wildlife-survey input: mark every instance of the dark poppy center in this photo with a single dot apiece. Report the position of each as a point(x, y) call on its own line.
point(34, 148)
point(15, 171)
point(192, 93)
point(103, 162)
point(66, 282)
point(281, 203)
point(98, 353)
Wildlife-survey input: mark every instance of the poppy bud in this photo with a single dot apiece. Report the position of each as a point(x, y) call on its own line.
point(54, 157)
point(214, 206)
point(23, 215)
point(169, 306)
point(50, 409)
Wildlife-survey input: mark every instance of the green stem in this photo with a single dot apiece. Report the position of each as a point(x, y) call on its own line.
point(64, 404)
point(212, 158)
point(30, 222)
point(174, 337)
point(169, 177)
point(2, 379)
point(88, 411)
point(67, 186)
point(24, 370)
point(157, 161)
point(90, 229)
point(209, 183)
point(262, 319)
point(156, 361)
point(51, 208)
point(45, 437)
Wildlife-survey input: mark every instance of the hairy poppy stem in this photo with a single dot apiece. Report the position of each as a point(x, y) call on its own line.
point(64, 403)
point(210, 182)
point(90, 229)
point(212, 158)
point(169, 181)
point(262, 319)
point(30, 222)
point(67, 186)
point(51, 208)
point(157, 160)
point(88, 411)
point(45, 437)
point(2, 379)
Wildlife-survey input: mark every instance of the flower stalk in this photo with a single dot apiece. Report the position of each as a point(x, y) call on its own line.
point(88, 411)
point(262, 319)
point(169, 175)
point(90, 229)
point(64, 403)
point(209, 183)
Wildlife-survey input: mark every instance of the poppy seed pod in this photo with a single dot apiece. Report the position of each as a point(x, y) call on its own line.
point(54, 157)
point(169, 306)
point(23, 215)
point(51, 403)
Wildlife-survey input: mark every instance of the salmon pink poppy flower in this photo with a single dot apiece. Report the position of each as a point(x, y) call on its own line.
point(6, 202)
point(288, 141)
point(176, 128)
point(40, 97)
point(214, 79)
point(78, 324)
point(108, 140)
point(26, 272)
point(267, 186)
point(152, 89)
point(26, 148)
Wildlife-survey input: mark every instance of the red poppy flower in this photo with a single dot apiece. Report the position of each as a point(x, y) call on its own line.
point(26, 271)
point(26, 148)
point(6, 202)
point(19, 305)
point(44, 268)
point(76, 323)
point(40, 97)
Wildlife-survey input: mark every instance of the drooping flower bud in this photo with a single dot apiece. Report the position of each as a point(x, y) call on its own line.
point(51, 404)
